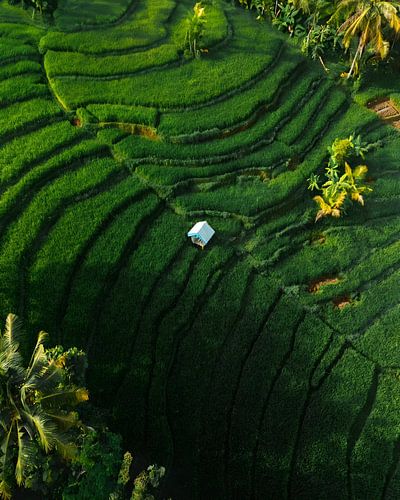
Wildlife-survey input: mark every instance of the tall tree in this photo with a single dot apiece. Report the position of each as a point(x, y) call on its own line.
point(365, 21)
point(36, 406)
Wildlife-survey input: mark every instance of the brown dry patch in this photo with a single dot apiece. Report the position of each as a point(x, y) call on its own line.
point(315, 285)
point(387, 110)
point(142, 130)
point(396, 123)
point(76, 122)
point(342, 302)
point(133, 129)
point(148, 132)
point(318, 239)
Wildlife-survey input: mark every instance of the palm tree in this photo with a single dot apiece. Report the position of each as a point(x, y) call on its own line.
point(36, 405)
point(366, 20)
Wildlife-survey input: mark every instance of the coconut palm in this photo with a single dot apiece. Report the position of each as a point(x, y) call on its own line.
point(366, 20)
point(36, 405)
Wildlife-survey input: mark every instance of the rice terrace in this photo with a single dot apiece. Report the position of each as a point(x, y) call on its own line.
point(267, 364)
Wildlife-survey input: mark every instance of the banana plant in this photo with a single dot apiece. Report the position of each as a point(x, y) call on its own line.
point(341, 186)
point(332, 206)
point(195, 30)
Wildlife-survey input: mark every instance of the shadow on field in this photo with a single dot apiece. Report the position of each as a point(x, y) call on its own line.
point(236, 389)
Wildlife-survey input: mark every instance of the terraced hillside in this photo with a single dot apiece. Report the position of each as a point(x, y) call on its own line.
point(267, 365)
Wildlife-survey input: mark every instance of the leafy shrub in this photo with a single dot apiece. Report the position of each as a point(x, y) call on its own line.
point(340, 186)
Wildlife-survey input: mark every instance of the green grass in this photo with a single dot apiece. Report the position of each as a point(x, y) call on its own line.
point(368, 467)
point(22, 152)
point(105, 254)
point(331, 418)
point(19, 68)
point(144, 27)
point(222, 364)
point(132, 278)
point(191, 83)
point(17, 115)
point(123, 114)
point(18, 20)
point(64, 63)
point(229, 112)
point(55, 258)
point(21, 233)
point(77, 13)
point(11, 49)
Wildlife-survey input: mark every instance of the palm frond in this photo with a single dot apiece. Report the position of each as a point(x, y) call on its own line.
point(11, 360)
point(25, 454)
point(50, 377)
point(59, 399)
point(10, 400)
point(46, 429)
point(13, 332)
point(28, 424)
point(38, 359)
point(5, 488)
point(65, 420)
point(390, 13)
point(6, 448)
point(67, 450)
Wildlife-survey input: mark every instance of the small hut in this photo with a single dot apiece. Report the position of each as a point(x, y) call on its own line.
point(201, 233)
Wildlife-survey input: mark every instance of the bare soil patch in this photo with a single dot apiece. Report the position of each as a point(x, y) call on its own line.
point(387, 110)
point(76, 122)
point(342, 302)
point(320, 282)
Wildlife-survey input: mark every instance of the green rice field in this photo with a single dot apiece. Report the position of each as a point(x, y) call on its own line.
point(266, 366)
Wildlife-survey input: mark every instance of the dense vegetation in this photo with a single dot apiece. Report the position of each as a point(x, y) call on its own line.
point(50, 448)
point(366, 29)
point(266, 365)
